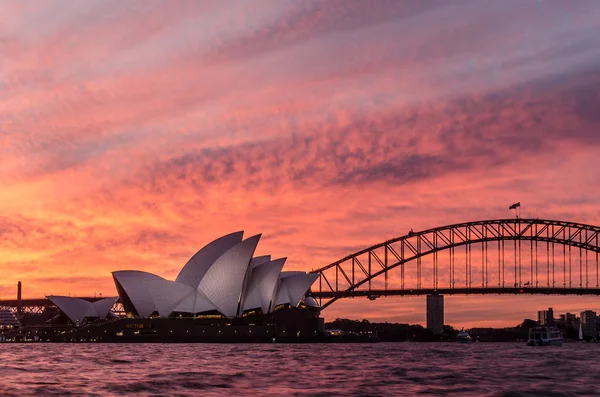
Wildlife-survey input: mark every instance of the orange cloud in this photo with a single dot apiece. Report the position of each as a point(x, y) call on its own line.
point(129, 141)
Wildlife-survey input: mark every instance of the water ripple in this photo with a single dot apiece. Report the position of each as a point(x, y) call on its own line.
point(358, 370)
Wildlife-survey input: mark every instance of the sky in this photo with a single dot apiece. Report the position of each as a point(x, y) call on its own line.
point(133, 133)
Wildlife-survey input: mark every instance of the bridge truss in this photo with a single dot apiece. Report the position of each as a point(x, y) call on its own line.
point(504, 256)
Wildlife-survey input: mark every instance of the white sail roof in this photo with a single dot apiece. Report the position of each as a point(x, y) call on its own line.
point(134, 283)
point(293, 286)
point(78, 309)
point(104, 306)
point(194, 302)
point(224, 280)
point(299, 285)
point(198, 265)
point(259, 260)
point(167, 294)
point(150, 293)
point(282, 296)
point(262, 285)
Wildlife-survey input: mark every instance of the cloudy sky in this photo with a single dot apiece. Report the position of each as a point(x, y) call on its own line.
point(131, 133)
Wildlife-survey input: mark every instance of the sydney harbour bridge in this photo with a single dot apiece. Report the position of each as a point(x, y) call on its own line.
point(503, 256)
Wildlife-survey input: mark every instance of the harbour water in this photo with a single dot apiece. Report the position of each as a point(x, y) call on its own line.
point(380, 369)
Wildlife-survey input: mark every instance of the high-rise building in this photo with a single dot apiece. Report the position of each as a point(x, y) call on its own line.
point(435, 314)
point(546, 317)
point(589, 324)
point(571, 319)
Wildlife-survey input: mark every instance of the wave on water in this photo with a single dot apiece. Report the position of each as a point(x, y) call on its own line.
point(384, 369)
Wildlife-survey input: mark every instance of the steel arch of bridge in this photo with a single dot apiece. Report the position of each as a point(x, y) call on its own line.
point(353, 275)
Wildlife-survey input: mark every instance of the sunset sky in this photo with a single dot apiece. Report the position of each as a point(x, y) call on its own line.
point(132, 133)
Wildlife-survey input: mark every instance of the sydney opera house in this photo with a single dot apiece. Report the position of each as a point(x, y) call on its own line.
point(222, 278)
point(224, 293)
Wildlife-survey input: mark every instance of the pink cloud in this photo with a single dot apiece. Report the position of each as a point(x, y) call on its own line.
point(133, 134)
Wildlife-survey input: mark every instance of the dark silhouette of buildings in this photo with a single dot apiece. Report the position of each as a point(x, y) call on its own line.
point(589, 324)
point(568, 319)
point(546, 317)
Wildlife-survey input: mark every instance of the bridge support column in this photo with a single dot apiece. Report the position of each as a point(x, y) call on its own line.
point(435, 314)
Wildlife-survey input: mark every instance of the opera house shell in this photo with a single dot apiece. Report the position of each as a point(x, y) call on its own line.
point(79, 309)
point(223, 278)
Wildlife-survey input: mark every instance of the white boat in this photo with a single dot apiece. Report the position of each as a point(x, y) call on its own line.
point(463, 337)
point(545, 336)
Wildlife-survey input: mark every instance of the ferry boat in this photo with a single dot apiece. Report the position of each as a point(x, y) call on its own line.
point(545, 336)
point(463, 337)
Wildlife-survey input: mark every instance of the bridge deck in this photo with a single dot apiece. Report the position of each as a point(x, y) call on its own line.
point(459, 291)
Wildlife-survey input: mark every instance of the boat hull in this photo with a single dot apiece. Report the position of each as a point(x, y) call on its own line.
point(555, 342)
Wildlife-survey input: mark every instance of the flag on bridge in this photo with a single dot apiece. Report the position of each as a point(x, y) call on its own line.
point(514, 206)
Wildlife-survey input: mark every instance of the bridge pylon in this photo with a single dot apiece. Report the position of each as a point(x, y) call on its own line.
point(435, 313)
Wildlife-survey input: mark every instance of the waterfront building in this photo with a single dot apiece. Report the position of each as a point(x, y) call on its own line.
point(223, 279)
point(546, 317)
point(435, 314)
point(589, 324)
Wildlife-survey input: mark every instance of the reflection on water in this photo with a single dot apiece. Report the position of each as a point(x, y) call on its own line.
point(382, 369)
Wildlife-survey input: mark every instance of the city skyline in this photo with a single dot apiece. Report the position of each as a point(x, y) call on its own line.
point(132, 134)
